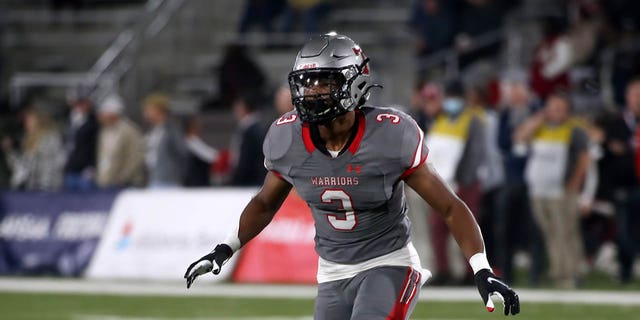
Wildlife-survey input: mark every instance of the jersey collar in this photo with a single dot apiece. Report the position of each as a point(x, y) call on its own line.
point(312, 140)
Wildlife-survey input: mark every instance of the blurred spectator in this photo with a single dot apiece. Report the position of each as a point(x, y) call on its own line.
point(39, 163)
point(200, 156)
point(491, 171)
point(514, 224)
point(426, 104)
point(433, 24)
point(282, 100)
point(261, 13)
point(120, 147)
point(585, 35)
point(246, 145)
point(416, 103)
point(552, 59)
point(456, 142)
point(238, 73)
point(81, 143)
point(597, 224)
point(620, 149)
point(555, 173)
point(311, 12)
point(433, 95)
point(166, 151)
point(637, 152)
point(9, 129)
point(626, 66)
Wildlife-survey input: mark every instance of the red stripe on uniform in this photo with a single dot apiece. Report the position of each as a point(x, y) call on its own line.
point(358, 138)
point(409, 171)
point(277, 174)
point(419, 148)
point(306, 138)
point(413, 294)
point(400, 309)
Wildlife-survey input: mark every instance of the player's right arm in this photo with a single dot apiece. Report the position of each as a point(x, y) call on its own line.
point(261, 209)
point(254, 218)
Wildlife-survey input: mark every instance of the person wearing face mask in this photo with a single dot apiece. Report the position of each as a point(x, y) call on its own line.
point(457, 138)
point(558, 149)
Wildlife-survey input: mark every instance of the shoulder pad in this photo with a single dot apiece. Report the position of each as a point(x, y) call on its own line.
point(279, 138)
point(399, 133)
point(389, 115)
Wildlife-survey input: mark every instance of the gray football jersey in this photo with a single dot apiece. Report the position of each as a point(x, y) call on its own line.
point(357, 199)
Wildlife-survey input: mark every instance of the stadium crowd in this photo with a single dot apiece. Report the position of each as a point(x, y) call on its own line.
point(544, 169)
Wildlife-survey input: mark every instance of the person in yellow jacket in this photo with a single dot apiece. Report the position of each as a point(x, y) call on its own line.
point(457, 142)
point(558, 159)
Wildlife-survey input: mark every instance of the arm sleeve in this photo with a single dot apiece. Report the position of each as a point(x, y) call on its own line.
point(579, 141)
point(474, 155)
point(591, 180)
point(562, 58)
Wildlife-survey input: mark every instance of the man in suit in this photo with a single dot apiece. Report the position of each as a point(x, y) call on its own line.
point(246, 144)
point(81, 144)
point(623, 185)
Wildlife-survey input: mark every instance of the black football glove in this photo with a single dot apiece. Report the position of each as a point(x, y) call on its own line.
point(211, 262)
point(488, 285)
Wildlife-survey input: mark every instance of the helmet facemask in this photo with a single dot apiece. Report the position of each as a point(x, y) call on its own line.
point(317, 94)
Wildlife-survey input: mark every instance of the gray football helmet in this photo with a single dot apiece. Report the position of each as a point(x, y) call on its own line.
point(330, 77)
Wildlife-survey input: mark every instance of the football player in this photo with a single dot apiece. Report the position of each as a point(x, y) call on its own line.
point(350, 162)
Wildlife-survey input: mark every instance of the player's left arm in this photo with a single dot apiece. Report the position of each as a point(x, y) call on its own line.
point(426, 182)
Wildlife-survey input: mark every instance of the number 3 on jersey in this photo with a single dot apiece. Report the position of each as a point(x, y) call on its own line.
point(338, 221)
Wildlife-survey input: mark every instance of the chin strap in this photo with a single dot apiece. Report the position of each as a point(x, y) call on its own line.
point(365, 93)
point(366, 90)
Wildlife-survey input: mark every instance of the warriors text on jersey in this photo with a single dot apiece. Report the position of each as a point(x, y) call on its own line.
point(356, 198)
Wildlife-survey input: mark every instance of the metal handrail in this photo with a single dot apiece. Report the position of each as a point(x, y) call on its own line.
point(108, 69)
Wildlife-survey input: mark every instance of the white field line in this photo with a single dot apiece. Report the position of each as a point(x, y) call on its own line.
point(109, 317)
point(175, 289)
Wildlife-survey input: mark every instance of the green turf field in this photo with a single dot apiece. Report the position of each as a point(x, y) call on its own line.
point(99, 307)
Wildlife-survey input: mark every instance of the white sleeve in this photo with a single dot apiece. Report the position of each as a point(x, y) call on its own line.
point(561, 59)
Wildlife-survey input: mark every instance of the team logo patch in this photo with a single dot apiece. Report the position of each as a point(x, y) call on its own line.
point(306, 66)
point(351, 168)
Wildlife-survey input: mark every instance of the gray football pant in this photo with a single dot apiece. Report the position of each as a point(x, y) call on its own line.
point(380, 293)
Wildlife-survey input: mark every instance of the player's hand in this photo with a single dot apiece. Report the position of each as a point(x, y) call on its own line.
point(488, 285)
point(211, 262)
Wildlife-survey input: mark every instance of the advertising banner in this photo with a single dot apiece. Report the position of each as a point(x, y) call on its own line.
point(50, 233)
point(156, 234)
point(284, 251)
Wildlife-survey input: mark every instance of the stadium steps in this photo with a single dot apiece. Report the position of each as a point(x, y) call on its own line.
point(36, 39)
point(209, 30)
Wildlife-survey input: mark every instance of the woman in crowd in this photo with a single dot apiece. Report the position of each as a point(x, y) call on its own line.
point(37, 165)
